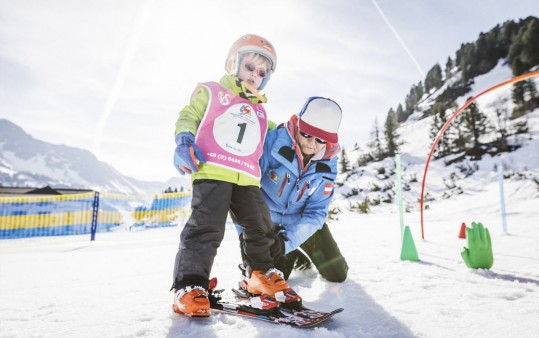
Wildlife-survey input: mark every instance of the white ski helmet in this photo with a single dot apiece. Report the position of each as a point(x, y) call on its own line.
point(251, 43)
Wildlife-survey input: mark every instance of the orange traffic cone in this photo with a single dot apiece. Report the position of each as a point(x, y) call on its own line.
point(462, 233)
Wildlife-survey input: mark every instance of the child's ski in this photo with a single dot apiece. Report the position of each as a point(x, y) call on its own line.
point(240, 305)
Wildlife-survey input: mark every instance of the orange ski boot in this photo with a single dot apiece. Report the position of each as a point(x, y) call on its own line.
point(192, 301)
point(271, 283)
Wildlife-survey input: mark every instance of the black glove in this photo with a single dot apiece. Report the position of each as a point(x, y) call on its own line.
point(301, 261)
point(277, 249)
point(280, 231)
point(285, 265)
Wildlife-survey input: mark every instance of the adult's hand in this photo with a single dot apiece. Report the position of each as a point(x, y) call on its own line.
point(280, 231)
point(302, 262)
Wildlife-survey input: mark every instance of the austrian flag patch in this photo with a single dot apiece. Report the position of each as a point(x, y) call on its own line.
point(328, 189)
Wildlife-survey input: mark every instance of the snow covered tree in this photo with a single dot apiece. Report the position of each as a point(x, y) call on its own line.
point(475, 123)
point(458, 137)
point(438, 121)
point(375, 145)
point(390, 133)
point(344, 163)
point(503, 124)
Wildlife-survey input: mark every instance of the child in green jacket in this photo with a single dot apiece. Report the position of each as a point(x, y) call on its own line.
point(220, 138)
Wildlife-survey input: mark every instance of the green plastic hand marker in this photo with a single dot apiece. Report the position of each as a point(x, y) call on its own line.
point(478, 255)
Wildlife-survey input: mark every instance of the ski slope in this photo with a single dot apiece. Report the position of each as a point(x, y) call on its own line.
point(118, 286)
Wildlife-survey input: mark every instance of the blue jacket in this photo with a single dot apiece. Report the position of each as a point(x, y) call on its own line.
point(298, 197)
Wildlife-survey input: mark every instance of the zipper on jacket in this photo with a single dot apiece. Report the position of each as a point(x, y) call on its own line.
point(306, 186)
point(285, 181)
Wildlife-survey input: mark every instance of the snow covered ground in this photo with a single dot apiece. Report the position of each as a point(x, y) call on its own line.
point(118, 286)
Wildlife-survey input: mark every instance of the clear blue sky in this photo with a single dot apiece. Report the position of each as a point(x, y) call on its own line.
point(111, 76)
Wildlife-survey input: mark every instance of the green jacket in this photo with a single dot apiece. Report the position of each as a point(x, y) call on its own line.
point(190, 118)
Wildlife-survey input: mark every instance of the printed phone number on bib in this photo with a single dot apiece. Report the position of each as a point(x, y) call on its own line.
point(231, 159)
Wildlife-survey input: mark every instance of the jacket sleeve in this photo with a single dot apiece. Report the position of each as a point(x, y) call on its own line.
point(313, 217)
point(191, 115)
point(271, 136)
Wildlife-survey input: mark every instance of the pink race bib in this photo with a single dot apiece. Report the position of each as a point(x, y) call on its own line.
point(232, 132)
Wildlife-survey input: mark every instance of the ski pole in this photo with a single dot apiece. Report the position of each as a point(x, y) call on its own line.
point(399, 191)
point(502, 199)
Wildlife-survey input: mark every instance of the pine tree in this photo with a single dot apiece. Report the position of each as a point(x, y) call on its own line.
point(390, 133)
point(524, 55)
point(344, 163)
point(458, 138)
point(524, 51)
point(415, 95)
point(434, 78)
point(449, 67)
point(401, 114)
point(508, 30)
point(475, 123)
point(454, 136)
point(487, 51)
point(375, 144)
point(466, 60)
point(503, 124)
point(438, 121)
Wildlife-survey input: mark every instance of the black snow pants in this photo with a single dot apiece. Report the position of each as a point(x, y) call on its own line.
point(204, 231)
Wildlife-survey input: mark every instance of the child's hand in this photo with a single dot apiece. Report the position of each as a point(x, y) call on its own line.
point(180, 165)
point(188, 152)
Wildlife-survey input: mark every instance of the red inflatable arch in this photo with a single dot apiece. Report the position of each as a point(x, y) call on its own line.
point(441, 132)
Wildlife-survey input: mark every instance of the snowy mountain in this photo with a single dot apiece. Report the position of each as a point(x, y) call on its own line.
point(371, 186)
point(28, 162)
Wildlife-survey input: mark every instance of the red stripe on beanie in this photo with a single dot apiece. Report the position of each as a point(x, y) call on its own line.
point(318, 133)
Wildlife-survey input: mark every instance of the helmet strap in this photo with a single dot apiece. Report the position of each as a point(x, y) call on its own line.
point(265, 80)
point(254, 91)
point(237, 62)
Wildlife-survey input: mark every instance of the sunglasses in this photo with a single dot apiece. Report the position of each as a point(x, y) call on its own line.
point(251, 68)
point(309, 136)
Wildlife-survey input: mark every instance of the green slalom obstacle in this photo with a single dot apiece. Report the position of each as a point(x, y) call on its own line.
point(408, 251)
point(478, 254)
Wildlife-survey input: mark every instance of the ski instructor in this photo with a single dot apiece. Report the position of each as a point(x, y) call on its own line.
point(299, 167)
